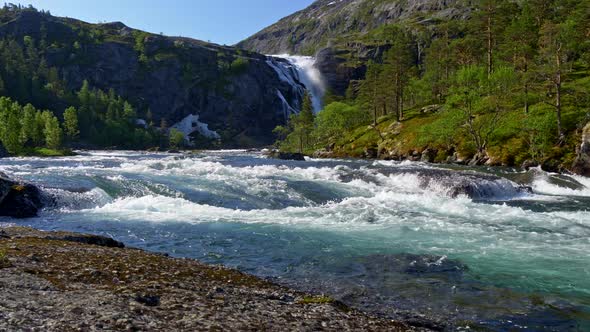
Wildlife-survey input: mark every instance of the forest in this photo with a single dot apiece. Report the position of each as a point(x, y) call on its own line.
point(507, 86)
point(41, 115)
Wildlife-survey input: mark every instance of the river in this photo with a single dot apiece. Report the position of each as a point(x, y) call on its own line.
point(439, 246)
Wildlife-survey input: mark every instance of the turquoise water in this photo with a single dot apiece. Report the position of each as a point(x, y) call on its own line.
point(449, 249)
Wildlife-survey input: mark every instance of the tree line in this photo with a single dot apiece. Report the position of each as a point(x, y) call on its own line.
point(530, 55)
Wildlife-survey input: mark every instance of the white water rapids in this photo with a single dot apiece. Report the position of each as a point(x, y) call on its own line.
point(343, 227)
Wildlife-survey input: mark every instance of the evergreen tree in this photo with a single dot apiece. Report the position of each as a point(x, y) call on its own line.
point(397, 70)
point(521, 47)
point(555, 61)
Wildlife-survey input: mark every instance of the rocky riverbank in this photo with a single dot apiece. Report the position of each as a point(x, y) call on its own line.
point(56, 281)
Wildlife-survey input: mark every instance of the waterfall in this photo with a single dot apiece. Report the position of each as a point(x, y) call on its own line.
point(301, 74)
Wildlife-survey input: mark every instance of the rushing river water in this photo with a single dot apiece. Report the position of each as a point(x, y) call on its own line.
point(434, 246)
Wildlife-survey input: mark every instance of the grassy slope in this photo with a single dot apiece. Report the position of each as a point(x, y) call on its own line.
point(509, 145)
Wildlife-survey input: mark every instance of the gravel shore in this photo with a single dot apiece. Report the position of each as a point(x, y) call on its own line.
point(58, 281)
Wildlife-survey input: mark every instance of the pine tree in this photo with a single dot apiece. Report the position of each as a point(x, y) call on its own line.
point(521, 46)
point(557, 43)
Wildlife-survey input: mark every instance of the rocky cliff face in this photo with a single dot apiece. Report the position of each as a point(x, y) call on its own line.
point(235, 92)
point(329, 21)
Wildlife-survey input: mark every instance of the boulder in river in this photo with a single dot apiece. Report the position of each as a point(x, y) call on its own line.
point(19, 200)
point(287, 155)
point(581, 165)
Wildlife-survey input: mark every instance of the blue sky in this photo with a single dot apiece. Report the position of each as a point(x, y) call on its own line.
point(219, 21)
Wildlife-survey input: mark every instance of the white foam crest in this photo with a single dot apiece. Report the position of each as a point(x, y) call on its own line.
point(68, 200)
point(217, 171)
point(541, 184)
point(387, 208)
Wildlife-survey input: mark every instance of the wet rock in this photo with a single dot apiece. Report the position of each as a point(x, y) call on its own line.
point(581, 165)
point(371, 152)
point(19, 200)
point(288, 156)
point(148, 300)
point(551, 165)
point(96, 240)
point(528, 164)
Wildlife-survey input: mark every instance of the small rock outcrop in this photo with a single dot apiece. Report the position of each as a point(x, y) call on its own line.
point(582, 163)
point(19, 200)
point(287, 155)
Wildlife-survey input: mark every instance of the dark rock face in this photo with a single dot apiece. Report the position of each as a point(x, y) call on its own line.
point(176, 77)
point(582, 163)
point(3, 152)
point(331, 63)
point(19, 200)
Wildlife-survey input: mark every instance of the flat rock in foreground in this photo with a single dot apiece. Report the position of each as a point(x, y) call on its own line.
point(57, 282)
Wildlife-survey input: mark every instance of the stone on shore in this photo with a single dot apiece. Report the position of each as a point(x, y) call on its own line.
point(50, 283)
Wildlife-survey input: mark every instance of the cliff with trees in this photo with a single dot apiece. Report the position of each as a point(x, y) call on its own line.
point(508, 85)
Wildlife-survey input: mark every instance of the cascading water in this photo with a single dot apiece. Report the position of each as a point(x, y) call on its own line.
point(301, 74)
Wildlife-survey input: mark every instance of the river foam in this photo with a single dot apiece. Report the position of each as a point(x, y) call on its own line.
point(314, 222)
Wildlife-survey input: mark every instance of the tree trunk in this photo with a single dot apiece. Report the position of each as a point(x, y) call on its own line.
point(526, 87)
point(375, 115)
point(397, 96)
point(558, 107)
point(558, 97)
point(401, 102)
point(490, 46)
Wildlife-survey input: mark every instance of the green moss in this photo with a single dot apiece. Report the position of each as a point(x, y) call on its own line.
point(4, 261)
point(322, 299)
point(46, 152)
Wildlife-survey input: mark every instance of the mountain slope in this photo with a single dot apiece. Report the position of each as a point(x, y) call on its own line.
point(331, 21)
point(169, 78)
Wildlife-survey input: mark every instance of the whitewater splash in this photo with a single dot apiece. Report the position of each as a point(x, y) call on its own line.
point(302, 75)
point(336, 224)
